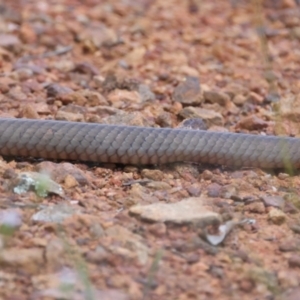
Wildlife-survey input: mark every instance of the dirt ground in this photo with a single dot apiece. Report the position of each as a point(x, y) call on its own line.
point(181, 231)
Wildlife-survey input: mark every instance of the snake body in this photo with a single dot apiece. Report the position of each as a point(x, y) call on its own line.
point(141, 145)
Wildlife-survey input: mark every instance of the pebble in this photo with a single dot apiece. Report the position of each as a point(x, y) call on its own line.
point(130, 119)
point(194, 123)
point(145, 93)
point(56, 90)
point(274, 201)
point(239, 99)
point(55, 214)
point(216, 97)
point(61, 170)
point(294, 261)
point(158, 185)
point(214, 190)
point(70, 181)
point(123, 98)
point(276, 216)
point(68, 116)
point(152, 174)
point(256, 207)
point(252, 123)
point(30, 260)
point(210, 117)
point(255, 98)
point(188, 92)
point(186, 211)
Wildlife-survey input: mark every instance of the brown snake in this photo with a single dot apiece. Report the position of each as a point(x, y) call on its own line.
point(138, 145)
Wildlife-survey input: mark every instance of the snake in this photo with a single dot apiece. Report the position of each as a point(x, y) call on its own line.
point(133, 145)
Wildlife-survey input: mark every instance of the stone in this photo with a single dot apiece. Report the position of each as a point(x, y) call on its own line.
point(256, 207)
point(294, 261)
point(152, 174)
point(274, 201)
point(210, 117)
point(188, 92)
point(123, 98)
point(145, 93)
point(130, 119)
point(276, 216)
point(194, 123)
point(68, 116)
point(239, 99)
point(55, 213)
point(30, 260)
point(255, 98)
point(187, 211)
point(216, 97)
point(252, 123)
point(56, 90)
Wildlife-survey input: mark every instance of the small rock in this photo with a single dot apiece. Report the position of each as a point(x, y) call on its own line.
point(246, 285)
point(54, 251)
point(289, 245)
point(292, 294)
point(294, 261)
point(56, 90)
point(194, 190)
point(216, 97)
point(130, 119)
point(94, 98)
point(272, 97)
point(59, 171)
point(255, 98)
point(96, 36)
point(166, 119)
point(74, 109)
point(256, 207)
point(228, 191)
point(15, 93)
point(233, 89)
point(70, 181)
point(42, 184)
point(28, 112)
point(127, 244)
point(252, 123)
point(207, 175)
point(8, 40)
point(145, 93)
point(195, 124)
point(86, 68)
point(275, 201)
point(67, 116)
point(55, 214)
point(136, 56)
point(158, 229)
point(76, 97)
point(210, 117)
point(97, 256)
point(22, 73)
point(239, 99)
point(295, 228)
point(5, 84)
point(188, 92)
point(214, 190)
point(158, 185)
point(276, 216)
point(190, 210)
point(30, 260)
point(123, 98)
point(155, 175)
